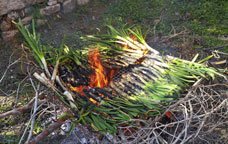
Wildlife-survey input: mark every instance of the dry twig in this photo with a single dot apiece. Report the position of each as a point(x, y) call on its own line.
point(193, 117)
point(52, 127)
point(22, 109)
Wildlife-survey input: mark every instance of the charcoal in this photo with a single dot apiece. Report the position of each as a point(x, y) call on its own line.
point(74, 77)
point(82, 71)
point(102, 91)
point(89, 94)
point(62, 70)
point(50, 69)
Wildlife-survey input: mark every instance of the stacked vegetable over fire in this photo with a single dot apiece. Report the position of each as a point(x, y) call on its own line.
point(115, 79)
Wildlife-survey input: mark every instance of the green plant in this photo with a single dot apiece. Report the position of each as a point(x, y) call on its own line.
point(136, 10)
point(36, 11)
point(33, 40)
point(206, 18)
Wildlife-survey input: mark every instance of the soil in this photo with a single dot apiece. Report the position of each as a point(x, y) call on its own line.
point(70, 25)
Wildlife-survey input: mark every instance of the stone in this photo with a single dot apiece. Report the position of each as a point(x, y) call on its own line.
point(16, 4)
point(3, 7)
point(60, 1)
point(82, 2)
point(13, 15)
point(9, 5)
point(68, 6)
point(26, 20)
point(21, 13)
point(50, 9)
point(52, 2)
point(26, 11)
point(5, 25)
point(9, 35)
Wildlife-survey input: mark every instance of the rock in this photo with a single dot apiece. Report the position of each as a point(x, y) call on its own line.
point(21, 13)
point(60, 1)
point(28, 10)
point(13, 15)
point(82, 2)
point(9, 35)
point(3, 7)
point(68, 6)
point(82, 135)
point(10, 5)
point(7, 6)
point(5, 25)
point(26, 20)
point(52, 2)
point(50, 9)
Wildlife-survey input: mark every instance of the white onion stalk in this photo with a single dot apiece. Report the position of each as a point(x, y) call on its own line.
point(42, 59)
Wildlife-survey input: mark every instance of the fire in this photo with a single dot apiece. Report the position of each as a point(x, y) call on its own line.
point(98, 79)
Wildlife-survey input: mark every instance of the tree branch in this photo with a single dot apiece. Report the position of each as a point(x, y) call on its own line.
point(21, 110)
point(52, 127)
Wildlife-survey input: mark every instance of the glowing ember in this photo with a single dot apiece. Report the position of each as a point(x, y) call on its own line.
point(78, 89)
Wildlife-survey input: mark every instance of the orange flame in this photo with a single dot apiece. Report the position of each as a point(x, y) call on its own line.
point(98, 79)
point(101, 76)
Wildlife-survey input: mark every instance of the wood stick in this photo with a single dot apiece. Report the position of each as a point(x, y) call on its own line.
point(52, 127)
point(21, 110)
